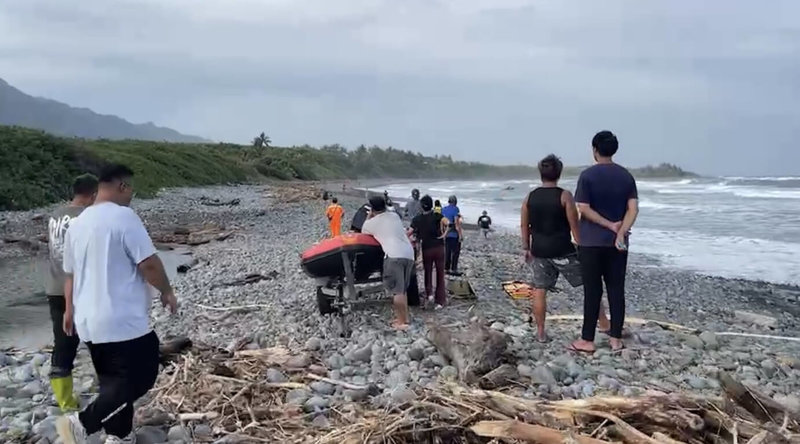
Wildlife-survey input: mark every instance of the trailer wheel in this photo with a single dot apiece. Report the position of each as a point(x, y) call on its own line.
point(324, 302)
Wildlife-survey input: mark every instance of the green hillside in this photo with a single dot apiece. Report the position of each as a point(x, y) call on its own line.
point(37, 168)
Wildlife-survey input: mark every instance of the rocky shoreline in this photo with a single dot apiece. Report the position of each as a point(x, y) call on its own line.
point(268, 235)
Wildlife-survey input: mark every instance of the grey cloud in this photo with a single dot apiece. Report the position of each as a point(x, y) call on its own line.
point(697, 83)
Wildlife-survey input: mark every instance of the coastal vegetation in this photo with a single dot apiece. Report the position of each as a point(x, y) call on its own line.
point(36, 168)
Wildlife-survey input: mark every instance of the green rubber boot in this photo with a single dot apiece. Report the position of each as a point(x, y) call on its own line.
point(62, 390)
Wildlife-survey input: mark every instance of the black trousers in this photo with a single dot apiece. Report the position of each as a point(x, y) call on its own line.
point(603, 265)
point(452, 249)
point(65, 348)
point(126, 370)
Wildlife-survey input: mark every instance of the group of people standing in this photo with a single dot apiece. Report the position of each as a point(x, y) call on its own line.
point(584, 237)
point(102, 263)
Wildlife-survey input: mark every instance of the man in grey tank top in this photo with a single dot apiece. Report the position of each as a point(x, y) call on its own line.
point(65, 347)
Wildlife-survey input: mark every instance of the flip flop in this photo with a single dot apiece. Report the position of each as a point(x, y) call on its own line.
point(399, 327)
point(571, 347)
point(544, 340)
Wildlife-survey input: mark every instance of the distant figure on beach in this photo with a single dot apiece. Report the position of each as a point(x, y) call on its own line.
point(65, 348)
point(437, 206)
point(387, 199)
point(413, 207)
point(485, 223)
point(608, 203)
point(398, 265)
point(547, 219)
point(108, 260)
point(335, 213)
point(430, 228)
point(454, 235)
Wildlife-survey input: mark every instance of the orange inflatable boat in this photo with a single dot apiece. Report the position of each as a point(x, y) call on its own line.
point(325, 259)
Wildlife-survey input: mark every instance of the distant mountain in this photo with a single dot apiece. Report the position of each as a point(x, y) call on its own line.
point(18, 108)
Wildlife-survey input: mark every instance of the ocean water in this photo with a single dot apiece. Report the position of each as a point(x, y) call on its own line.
point(734, 227)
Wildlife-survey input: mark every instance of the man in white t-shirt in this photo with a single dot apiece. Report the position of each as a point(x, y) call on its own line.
point(398, 265)
point(109, 260)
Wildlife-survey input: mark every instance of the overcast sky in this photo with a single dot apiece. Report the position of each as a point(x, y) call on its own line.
point(711, 85)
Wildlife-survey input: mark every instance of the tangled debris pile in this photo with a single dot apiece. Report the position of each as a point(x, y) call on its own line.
point(238, 395)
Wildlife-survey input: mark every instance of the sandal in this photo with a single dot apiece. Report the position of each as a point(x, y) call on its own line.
point(571, 347)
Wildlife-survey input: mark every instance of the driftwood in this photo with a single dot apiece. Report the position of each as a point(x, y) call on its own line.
point(217, 203)
point(193, 235)
point(247, 280)
point(529, 433)
point(243, 403)
point(635, 321)
point(499, 377)
point(170, 350)
point(761, 406)
point(473, 351)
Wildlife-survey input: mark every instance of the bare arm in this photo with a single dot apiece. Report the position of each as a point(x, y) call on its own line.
point(153, 271)
point(443, 225)
point(67, 323)
point(524, 226)
point(631, 214)
point(593, 216)
point(459, 229)
point(572, 215)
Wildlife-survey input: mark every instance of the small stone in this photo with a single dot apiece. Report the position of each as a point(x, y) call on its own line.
point(23, 373)
point(438, 360)
point(697, 383)
point(525, 370)
point(497, 325)
point(37, 398)
point(624, 374)
point(152, 435)
point(363, 354)
point(38, 359)
point(768, 366)
point(299, 361)
point(792, 402)
point(321, 422)
point(313, 344)
point(335, 361)
point(709, 338)
point(348, 371)
point(518, 331)
point(318, 370)
point(448, 372)
point(178, 433)
point(416, 354)
point(276, 376)
point(32, 388)
point(316, 403)
point(543, 375)
point(355, 395)
point(587, 389)
point(323, 388)
point(608, 382)
point(694, 342)
point(202, 430)
point(297, 396)
point(574, 369)
point(403, 395)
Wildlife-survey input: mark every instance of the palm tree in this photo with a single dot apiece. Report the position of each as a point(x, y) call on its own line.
point(262, 141)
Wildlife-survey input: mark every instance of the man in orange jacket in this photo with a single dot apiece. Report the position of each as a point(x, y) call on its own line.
point(335, 213)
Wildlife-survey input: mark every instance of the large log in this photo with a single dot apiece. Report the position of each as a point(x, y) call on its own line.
point(760, 405)
point(518, 430)
point(473, 351)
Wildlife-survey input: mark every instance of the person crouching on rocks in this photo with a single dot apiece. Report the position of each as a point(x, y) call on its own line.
point(398, 265)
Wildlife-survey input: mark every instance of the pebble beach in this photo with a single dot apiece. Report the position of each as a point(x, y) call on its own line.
point(704, 324)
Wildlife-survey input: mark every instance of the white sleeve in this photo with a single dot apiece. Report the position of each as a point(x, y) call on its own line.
point(365, 228)
point(66, 255)
point(136, 240)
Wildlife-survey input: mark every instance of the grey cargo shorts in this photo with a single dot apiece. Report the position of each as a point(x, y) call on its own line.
point(397, 274)
point(546, 271)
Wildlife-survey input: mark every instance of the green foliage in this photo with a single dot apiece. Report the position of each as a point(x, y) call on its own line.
point(37, 168)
